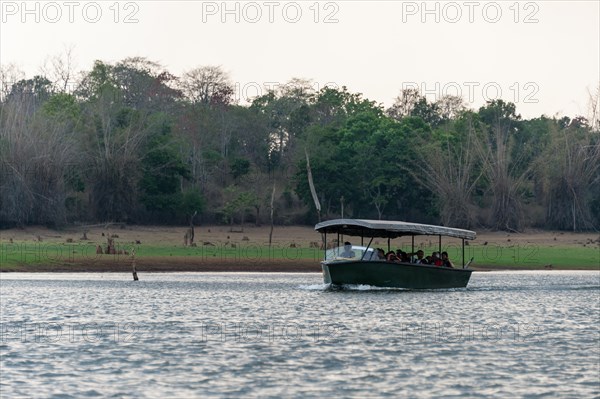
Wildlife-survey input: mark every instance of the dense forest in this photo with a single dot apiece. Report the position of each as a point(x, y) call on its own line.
point(130, 142)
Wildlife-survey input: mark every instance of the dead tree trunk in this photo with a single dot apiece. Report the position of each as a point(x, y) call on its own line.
point(134, 271)
point(272, 208)
point(191, 234)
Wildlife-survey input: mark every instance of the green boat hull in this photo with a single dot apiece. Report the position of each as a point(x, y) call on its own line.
point(397, 275)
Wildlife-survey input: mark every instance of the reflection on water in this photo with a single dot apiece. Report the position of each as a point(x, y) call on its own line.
point(509, 334)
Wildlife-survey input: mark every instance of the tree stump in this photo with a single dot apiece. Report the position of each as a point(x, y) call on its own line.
point(134, 271)
point(110, 247)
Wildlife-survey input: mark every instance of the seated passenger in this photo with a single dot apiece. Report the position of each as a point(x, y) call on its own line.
point(378, 254)
point(420, 258)
point(391, 257)
point(435, 259)
point(446, 262)
point(403, 256)
point(348, 252)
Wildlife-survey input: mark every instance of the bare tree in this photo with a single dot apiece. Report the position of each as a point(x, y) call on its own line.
point(9, 75)
point(571, 166)
point(449, 169)
point(36, 154)
point(502, 165)
point(450, 107)
point(594, 110)
point(60, 69)
point(299, 88)
point(405, 103)
point(207, 85)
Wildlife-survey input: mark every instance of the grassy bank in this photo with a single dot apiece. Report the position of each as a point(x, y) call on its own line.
point(294, 248)
point(32, 256)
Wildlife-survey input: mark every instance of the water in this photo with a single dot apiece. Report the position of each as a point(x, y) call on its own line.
point(509, 334)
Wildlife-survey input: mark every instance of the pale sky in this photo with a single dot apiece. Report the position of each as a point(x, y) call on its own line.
point(542, 55)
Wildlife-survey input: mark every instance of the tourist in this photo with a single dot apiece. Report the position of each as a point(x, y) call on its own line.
point(348, 252)
point(378, 254)
point(446, 262)
point(403, 256)
point(420, 260)
point(391, 257)
point(435, 259)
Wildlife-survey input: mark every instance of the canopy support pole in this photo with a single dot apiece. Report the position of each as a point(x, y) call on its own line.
point(366, 250)
point(463, 252)
point(440, 244)
point(388, 244)
point(412, 250)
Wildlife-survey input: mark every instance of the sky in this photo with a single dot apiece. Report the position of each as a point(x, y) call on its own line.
point(544, 56)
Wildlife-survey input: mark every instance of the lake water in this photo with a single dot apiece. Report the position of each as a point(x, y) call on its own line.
point(509, 334)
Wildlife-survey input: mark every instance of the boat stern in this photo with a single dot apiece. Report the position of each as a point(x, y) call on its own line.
point(326, 274)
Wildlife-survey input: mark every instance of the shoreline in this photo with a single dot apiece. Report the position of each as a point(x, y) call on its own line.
point(185, 266)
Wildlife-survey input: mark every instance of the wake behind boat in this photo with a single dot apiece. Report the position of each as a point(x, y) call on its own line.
point(360, 265)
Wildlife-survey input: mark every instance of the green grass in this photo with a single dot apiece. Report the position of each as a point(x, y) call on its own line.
point(247, 252)
point(30, 253)
point(534, 256)
point(13, 255)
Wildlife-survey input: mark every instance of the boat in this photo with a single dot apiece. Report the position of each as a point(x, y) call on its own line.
point(360, 266)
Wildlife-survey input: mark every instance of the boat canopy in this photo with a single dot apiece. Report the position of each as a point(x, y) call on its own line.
point(389, 229)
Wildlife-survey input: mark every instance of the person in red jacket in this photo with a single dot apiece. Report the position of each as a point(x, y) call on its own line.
point(436, 260)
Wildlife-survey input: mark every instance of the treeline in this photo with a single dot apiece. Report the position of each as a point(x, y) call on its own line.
point(134, 143)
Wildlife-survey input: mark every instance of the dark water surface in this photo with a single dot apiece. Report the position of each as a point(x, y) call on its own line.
point(509, 334)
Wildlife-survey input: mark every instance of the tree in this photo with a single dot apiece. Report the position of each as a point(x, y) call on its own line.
point(411, 103)
point(356, 156)
point(9, 74)
point(450, 107)
point(447, 165)
point(38, 147)
point(502, 165)
point(571, 166)
point(60, 70)
point(30, 94)
point(115, 134)
point(134, 82)
point(162, 171)
point(120, 104)
point(287, 113)
point(405, 103)
point(207, 85)
point(238, 202)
